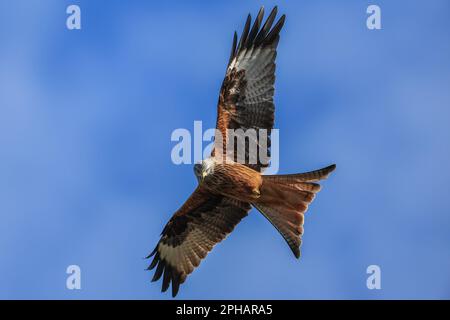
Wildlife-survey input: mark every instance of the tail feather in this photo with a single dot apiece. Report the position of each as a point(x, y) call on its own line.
point(291, 231)
point(311, 176)
point(284, 200)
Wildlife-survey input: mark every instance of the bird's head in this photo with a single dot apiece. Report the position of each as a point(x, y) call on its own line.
point(203, 169)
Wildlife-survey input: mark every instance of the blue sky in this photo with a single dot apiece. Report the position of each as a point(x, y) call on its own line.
point(86, 176)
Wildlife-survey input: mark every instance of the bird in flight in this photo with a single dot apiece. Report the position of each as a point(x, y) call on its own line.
point(227, 188)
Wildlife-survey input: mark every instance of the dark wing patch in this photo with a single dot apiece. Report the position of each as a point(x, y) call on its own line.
point(190, 235)
point(246, 95)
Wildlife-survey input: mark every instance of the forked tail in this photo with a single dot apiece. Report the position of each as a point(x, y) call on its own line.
point(284, 200)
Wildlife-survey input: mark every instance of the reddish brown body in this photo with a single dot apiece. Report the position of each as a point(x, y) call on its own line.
point(234, 180)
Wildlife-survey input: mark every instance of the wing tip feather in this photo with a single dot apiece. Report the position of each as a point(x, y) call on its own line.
point(258, 35)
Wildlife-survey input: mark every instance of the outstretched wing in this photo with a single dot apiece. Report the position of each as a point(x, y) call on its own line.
point(203, 221)
point(246, 96)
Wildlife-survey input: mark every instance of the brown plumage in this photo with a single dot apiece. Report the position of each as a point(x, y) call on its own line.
point(284, 200)
point(246, 96)
point(228, 187)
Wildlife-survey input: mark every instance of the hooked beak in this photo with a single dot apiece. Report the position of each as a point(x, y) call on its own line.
point(203, 175)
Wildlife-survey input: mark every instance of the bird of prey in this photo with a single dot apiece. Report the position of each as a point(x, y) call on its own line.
point(227, 190)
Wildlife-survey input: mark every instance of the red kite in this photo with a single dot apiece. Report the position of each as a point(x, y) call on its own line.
point(228, 189)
